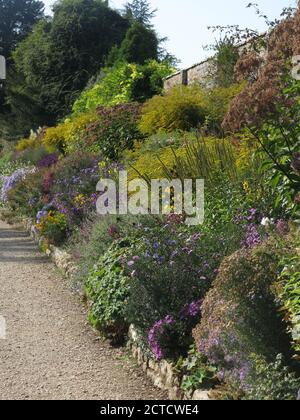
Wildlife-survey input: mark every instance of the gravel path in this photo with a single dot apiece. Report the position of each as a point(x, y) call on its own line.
point(50, 351)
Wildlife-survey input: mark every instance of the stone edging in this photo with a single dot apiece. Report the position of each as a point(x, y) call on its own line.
point(162, 373)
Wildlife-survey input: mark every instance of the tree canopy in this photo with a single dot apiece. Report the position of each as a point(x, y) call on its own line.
point(139, 11)
point(54, 63)
point(17, 19)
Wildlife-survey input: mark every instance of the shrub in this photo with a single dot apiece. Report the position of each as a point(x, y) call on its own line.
point(195, 372)
point(115, 131)
point(67, 135)
point(48, 160)
point(24, 144)
point(26, 196)
point(54, 138)
point(217, 102)
point(73, 186)
point(206, 158)
point(5, 161)
point(75, 129)
point(288, 291)
point(107, 288)
point(182, 108)
point(172, 270)
point(90, 240)
point(11, 180)
point(53, 227)
point(122, 84)
point(272, 381)
point(278, 140)
point(32, 142)
point(146, 162)
point(240, 315)
point(32, 156)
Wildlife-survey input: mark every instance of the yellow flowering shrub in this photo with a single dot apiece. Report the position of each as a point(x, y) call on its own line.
point(182, 108)
point(32, 142)
point(53, 226)
point(54, 138)
point(67, 136)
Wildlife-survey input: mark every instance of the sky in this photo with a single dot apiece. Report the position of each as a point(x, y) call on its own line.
point(185, 22)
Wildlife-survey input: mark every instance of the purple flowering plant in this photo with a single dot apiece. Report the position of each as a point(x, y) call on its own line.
point(172, 268)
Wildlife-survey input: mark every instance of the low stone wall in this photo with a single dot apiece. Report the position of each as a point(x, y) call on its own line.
point(162, 373)
point(62, 259)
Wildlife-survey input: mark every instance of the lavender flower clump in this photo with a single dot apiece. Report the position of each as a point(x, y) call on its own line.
point(252, 237)
point(48, 161)
point(40, 216)
point(191, 310)
point(9, 182)
point(155, 334)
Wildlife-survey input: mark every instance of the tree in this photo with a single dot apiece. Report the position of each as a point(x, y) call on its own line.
point(55, 62)
point(139, 45)
point(139, 11)
point(17, 19)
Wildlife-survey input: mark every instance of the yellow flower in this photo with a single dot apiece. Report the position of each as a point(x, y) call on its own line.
point(246, 187)
point(80, 200)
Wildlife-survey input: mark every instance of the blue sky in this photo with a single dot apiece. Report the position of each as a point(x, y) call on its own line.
point(185, 22)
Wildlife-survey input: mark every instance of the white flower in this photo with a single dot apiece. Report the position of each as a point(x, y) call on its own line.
point(267, 222)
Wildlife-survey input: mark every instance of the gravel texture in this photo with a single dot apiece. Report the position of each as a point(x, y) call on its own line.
point(50, 351)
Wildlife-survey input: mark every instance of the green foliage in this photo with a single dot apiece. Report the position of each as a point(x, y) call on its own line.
point(206, 158)
point(289, 292)
point(240, 314)
point(123, 83)
point(17, 19)
point(139, 45)
point(67, 136)
point(26, 198)
point(139, 11)
point(107, 288)
point(187, 107)
point(89, 241)
point(217, 102)
point(279, 142)
point(55, 62)
point(6, 165)
point(53, 227)
point(150, 159)
point(172, 269)
point(225, 60)
point(115, 130)
point(195, 372)
point(182, 108)
point(272, 381)
point(33, 156)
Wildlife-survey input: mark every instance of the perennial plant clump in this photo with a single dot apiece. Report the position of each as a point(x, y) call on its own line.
point(10, 181)
point(240, 314)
